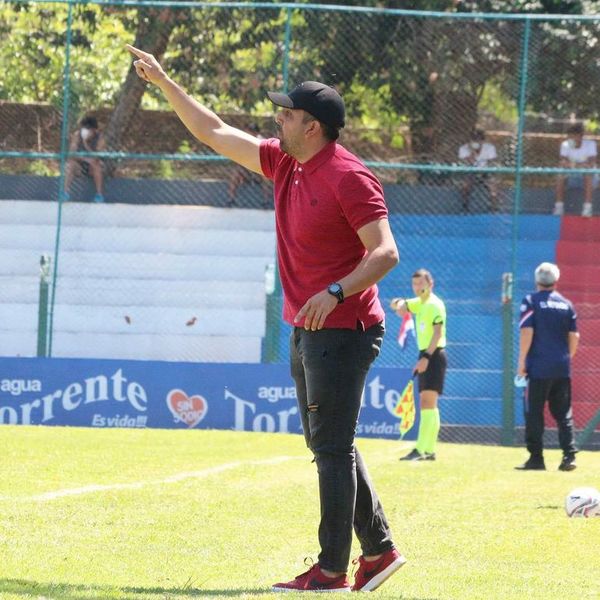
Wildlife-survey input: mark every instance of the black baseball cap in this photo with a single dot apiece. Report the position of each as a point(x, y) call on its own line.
point(319, 100)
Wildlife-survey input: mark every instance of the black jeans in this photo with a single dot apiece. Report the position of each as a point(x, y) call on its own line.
point(558, 394)
point(330, 367)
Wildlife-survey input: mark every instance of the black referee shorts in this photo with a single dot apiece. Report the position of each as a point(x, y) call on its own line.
point(433, 378)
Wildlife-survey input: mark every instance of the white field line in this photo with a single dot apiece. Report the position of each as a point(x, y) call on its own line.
point(136, 485)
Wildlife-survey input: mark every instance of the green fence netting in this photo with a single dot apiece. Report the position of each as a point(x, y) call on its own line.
point(463, 116)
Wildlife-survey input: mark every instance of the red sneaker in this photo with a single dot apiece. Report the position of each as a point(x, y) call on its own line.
point(315, 581)
point(371, 574)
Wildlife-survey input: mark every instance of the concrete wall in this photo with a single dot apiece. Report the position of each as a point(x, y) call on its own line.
point(140, 282)
point(401, 198)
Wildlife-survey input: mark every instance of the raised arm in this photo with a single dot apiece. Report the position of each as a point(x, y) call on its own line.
point(204, 124)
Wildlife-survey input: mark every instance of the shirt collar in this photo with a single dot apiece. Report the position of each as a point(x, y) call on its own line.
point(322, 156)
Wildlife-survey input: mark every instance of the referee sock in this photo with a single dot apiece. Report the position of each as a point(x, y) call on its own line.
point(424, 426)
point(433, 430)
point(429, 428)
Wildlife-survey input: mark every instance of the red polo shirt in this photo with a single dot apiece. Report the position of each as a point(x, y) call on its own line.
point(319, 207)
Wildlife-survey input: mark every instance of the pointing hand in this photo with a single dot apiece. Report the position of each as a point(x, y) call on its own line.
point(146, 66)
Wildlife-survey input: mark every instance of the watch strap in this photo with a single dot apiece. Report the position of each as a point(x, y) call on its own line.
point(336, 290)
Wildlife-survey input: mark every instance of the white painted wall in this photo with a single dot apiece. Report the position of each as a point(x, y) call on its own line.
point(175, 283)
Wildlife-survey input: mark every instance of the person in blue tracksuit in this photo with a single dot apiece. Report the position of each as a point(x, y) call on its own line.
point(548, 339)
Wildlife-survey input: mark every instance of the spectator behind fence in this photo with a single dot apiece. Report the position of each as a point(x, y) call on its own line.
point(241, 175)
point(86, 139)
point(430, 313)
point(334, 243)
point(478, 153)
point(548, 341)
point(576, 152)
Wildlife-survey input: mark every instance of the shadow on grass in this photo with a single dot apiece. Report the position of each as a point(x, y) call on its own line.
point(69, 591)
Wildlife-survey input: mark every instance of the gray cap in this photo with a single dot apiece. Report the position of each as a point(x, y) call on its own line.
point(547, 274)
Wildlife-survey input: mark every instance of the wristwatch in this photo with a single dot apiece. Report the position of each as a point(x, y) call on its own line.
point(335, 289)
point(426, 355)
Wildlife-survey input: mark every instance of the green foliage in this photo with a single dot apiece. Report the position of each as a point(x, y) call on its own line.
point(372, 113)
point(42, 167)
point(562, 62)
point(164, 169)
point(495, 101)
point(32, 52)
point(433, 76)
point(32, 60)
point(227, 57)
point(184, 147)
point(563, 68)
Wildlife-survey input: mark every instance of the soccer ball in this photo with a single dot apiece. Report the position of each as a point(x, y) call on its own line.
point(583, 502)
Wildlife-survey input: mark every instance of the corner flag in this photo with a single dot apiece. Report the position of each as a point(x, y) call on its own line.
point(405, 409)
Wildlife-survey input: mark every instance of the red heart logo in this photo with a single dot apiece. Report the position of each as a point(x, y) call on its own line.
point(187, 409)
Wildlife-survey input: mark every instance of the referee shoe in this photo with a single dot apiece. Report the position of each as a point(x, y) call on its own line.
point(416, 455)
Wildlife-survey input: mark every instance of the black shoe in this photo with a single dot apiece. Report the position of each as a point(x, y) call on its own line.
point(414, 455)
point(533, 464)
point(567, 463)
point(430, 456)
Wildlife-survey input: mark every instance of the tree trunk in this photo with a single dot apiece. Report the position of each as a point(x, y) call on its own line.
point(455, 117)
point(152, 36)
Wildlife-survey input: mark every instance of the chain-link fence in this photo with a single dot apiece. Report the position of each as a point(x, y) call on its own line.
point(464, 117)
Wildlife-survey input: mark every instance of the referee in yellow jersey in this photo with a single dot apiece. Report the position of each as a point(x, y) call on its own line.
point(430, 313)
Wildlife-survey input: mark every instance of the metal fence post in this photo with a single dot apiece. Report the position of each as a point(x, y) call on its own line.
point(508, 392)
point(42, 337)
point(64, 148)
point(273, 314)
point(273, 284)
point(286, 50)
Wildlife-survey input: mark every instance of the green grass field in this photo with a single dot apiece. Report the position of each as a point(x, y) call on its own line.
point(211, 514)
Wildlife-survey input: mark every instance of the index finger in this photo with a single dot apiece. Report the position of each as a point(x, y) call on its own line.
point(301, 313)
point(136, 51)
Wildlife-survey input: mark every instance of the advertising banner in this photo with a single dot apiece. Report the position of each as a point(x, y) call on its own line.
point(115, 393)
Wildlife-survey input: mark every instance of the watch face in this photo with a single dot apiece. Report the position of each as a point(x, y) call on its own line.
point(335, 289)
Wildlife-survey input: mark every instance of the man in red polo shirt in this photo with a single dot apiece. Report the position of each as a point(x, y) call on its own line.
point(333, 243)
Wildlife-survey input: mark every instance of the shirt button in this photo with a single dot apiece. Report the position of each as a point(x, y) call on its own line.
point(300, 169)
point(296, 182)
